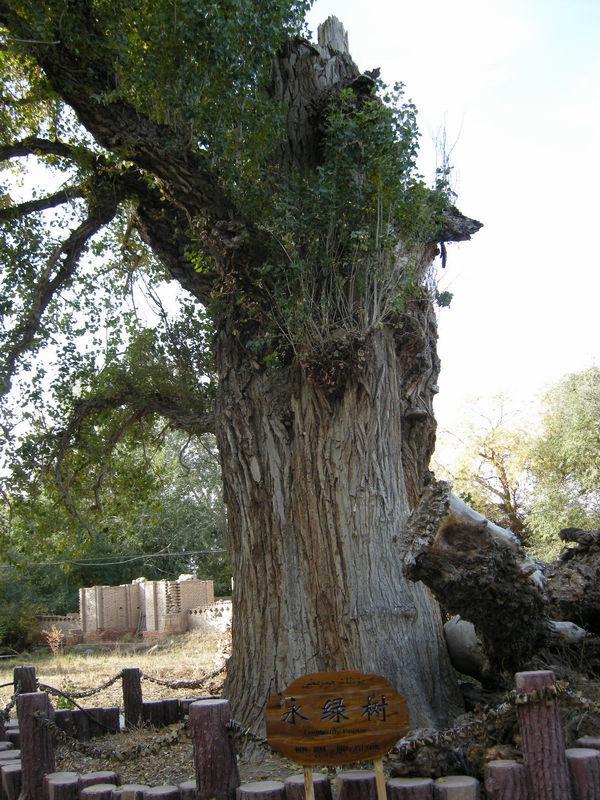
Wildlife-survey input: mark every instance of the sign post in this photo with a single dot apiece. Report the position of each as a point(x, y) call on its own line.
point(331, 718)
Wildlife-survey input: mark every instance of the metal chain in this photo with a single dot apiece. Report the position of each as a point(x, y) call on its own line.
point(184, 684)
point(91, 692)
point(43, 687)
point(102, 753)
point(238, 731)
point(11, 703)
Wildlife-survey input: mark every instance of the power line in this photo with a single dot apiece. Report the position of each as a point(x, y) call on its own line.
point(101, 561)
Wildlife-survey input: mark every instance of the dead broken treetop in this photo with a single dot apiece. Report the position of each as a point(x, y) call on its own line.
point(330, 718)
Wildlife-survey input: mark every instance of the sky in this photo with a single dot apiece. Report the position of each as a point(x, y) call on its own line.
point(516, 86)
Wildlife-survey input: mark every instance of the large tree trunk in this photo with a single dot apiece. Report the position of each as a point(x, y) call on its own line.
point(317, 491)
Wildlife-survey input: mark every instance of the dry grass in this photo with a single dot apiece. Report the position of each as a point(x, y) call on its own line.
point(186, 657)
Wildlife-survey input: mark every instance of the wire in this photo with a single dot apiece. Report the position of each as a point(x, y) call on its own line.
point(113, 562)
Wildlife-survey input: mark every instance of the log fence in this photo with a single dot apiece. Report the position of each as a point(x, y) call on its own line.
point(549, 770)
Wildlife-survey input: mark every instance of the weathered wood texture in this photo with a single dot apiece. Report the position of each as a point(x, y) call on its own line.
point(410, 789)
point(357, 785)
point(505, 780)
point(82, 725)
point(65, 720)
point(37, 748)
point(162, 793)
point(112, 719)
point(336, 718)
point(96, 723)
point(261, 790)
point(187, 790)
point(543, 741)
point(61, 786)
point(133, 791)
point(294, 787)
point(97, 791)
point(215, 761)
point(153, 713)
point(11, 781)
point(132, 697)
point(2, 729)
point(584, 768)
point(25, 679)
point(457, 787)
point(591, 742)
point(170, 711)
point(95, 778)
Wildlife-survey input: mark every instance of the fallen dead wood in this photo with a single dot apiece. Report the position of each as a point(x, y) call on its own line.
point(480, 571)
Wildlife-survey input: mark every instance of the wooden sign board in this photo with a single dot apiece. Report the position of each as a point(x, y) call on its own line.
point(330, 718)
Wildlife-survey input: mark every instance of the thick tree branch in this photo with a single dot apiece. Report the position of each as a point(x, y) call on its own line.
point(34, 145)
point(42, 203)
point(56, 275)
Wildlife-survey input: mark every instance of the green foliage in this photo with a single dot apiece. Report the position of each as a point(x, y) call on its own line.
point(538, 482)
point(353, 230)
point(565, 459)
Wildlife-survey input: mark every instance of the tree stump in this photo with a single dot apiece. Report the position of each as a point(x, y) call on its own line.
point(2, 729)
point(130, 791)
point(261, 790)
point(187, 790)
point(217, 773)
point(545, 759)
point(95, 778)
point(112, 719)
point(410, 789)
point(152, 713)
point(98, 791)
point(37, 748)
point(11, 781)
point(61, 786)
point(4, 746)
point(457, 787)
point(357, 785)
point(294, 787)
point(584, 767)
point(162, 793)
point(170, 711)
point(25, 679)
point(505, 780)
point(132, 697)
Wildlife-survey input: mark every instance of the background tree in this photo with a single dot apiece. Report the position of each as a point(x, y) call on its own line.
point(213, 145)
point(536, 481)
point(565, 461)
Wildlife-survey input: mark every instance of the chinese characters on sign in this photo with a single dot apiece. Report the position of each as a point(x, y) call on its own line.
point(336, 718)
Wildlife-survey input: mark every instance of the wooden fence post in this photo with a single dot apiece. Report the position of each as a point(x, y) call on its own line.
point(410, 789)
point(37, 749)
point(584, 766)
point(457, 787)
point(543, 740)
point(217, 773)
point(505, 780)
point(294, 787)
point(261, 790)
point(132, 697)
point(61, 786)
point(357, 784)
point(25, 679)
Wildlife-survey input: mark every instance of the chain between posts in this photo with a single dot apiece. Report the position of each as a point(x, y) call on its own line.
point(101, 753)
point(184, 684)
point(87, 692)
point(11, 703)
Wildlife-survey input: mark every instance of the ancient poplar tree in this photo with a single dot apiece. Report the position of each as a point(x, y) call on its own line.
point(214, 144)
